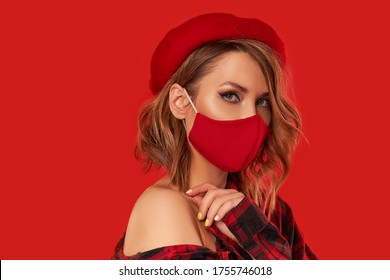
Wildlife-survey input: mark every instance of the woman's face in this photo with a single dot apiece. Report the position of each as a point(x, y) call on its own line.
point(235, 89)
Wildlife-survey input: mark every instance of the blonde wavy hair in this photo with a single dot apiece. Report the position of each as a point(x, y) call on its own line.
point(162, 139)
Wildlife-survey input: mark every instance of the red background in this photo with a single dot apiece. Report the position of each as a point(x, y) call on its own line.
point(74, 74)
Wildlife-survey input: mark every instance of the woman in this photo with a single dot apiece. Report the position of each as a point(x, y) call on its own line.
point(223, 128)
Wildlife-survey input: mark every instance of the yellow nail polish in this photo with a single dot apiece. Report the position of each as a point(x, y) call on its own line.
point(216, 218)
point(207, 223)
point(199, 216)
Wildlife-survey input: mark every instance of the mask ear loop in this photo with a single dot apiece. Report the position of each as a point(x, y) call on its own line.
point(189, 98)
point(192, 104)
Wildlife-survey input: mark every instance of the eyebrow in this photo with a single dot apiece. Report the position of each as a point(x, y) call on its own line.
point(235, 85)
point(239, 87)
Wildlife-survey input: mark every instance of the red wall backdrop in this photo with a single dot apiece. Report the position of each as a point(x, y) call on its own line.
point(74, 74)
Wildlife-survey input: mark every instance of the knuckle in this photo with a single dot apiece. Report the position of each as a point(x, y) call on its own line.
point(229, 204)
point(219, 201)
point(210, 186)
point(213, 194)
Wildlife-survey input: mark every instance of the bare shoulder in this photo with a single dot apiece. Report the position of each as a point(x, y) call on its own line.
point(160, 217)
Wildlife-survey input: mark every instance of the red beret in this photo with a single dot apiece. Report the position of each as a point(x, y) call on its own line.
point(179, 42)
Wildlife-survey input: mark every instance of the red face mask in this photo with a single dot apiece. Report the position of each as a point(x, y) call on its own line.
point(230, 145)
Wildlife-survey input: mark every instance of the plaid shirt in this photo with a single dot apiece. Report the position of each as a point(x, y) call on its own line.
point(259, 238)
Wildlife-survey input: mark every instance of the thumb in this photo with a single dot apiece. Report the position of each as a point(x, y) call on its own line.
point(198, 199)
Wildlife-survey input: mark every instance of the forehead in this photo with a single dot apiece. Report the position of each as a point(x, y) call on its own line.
point(237, 67)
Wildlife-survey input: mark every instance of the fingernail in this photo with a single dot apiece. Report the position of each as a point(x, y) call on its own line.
point(199, 216)
point(216, 218)
point(189, 191)
point(207, 223)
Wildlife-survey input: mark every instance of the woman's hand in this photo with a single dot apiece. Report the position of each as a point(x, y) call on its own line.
point(214, 203)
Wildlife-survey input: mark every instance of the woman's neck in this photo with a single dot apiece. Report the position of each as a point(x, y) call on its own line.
point(202, 171)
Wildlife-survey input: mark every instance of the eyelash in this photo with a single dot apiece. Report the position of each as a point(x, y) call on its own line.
point(230, 93)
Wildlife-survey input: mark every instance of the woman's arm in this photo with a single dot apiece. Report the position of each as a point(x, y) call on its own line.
point(255, 233)
point(252, 229)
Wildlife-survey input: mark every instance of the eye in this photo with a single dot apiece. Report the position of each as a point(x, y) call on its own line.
point(230, 96)
point(264, 102)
